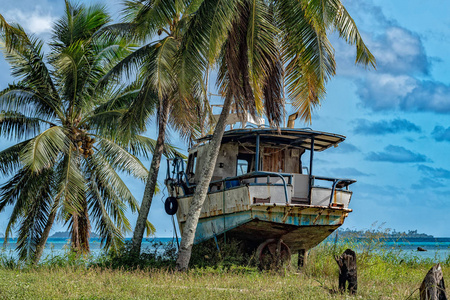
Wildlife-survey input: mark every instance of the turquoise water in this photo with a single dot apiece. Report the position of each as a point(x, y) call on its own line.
point(58, 246)
point(438, 249)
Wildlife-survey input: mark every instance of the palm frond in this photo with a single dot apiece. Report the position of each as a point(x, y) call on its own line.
point(31, 194)
point(308, 54)
point(26, 60)
point(347, 29)
point(107, 196)
point(42, 151)
point(78, 23)
point(18, 126)
point(331, 14)
point(12, 35)
point(120, 159)
point(104, 119)
point(108, 182)
point(140, 105)
point(70, 184)
point(10, 191)
point(262, 50)
point(233, 75)
point(35, 215)
point(144, 146)
point(272, 91)
point(10, 158)
point(28, 101)
point(128, 65)
point(159, 67)
point(204, 37)
point(111, 235)
point(152, 15)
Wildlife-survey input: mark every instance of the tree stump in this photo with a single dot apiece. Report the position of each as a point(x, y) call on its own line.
point(347, 271)
point(432, 287)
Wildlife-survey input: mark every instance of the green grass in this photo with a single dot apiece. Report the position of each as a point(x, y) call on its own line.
point(381, 275)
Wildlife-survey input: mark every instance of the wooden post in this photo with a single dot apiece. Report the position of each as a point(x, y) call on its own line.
point(433, 287)
point(302, 258)
point(347, 271)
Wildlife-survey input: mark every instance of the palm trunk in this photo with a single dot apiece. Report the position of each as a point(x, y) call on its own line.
point(81, 231)
point(187, 239)
point(150, 186)
point(40, 247)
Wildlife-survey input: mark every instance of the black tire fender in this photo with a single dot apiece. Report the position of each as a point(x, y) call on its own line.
point(171, 205)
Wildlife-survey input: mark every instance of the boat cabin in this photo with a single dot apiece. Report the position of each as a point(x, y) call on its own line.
point(271, 157)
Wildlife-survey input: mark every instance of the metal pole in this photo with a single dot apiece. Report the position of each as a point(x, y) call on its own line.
point(257, 154)
point(311, 157)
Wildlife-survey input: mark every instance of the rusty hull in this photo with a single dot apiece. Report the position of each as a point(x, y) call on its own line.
point(299, 226)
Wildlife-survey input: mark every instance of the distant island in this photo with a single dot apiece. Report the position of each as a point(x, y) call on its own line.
point(66, 235)
point(389, 234)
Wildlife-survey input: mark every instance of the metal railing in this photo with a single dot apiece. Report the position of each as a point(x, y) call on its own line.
point(336, 183)
point(181, 179)
point(258, 174)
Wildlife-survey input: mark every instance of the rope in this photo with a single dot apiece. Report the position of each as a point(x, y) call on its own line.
point(173, 220)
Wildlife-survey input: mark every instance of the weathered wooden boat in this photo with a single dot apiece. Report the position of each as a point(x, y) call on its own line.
point(261, 192)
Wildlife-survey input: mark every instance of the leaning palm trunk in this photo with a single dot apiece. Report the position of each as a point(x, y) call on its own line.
point(40, 247)
point(187, 239)
point(150, 186)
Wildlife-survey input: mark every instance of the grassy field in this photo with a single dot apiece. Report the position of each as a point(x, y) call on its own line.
point(381, 275)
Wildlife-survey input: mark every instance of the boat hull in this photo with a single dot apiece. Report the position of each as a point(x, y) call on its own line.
point(299, 226)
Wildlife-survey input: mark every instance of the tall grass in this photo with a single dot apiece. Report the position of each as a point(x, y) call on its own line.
point(382, 274)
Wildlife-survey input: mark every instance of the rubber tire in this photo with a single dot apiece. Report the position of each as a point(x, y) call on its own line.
point(171, 205)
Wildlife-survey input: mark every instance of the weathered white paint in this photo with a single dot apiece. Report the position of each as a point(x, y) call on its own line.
point(241, 198)
point(301, 186)
point(321, 196)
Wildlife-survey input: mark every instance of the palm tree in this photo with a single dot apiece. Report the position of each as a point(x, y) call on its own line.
point(156, 61)
point(73, 134)
point(256, 44)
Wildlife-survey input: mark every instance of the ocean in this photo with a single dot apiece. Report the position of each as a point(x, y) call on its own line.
point(438, 249)
point(59, 246)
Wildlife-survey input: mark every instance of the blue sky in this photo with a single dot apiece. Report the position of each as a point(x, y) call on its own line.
point(396, 119)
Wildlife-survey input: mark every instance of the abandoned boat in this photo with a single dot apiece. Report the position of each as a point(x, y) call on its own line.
point(261, 192)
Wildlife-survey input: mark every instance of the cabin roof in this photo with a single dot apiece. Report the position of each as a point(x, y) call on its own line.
point(285, 136)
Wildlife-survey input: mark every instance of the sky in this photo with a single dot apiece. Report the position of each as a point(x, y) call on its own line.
point(396, 118)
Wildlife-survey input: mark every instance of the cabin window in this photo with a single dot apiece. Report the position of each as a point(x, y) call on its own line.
point(242, 167)
point(244, 164)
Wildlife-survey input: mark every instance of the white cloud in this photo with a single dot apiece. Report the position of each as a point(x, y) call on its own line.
point(36, 21)
point(403, 79)
point(384, 91)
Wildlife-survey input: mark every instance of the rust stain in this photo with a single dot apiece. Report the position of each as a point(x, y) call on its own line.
point(288, 211)
point(317, 217)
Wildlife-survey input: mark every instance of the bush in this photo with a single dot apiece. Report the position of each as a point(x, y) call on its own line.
point(221, 254)
point(158, 255)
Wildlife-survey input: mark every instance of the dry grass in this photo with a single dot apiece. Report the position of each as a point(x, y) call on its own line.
point(377, 279)
point(381, 275)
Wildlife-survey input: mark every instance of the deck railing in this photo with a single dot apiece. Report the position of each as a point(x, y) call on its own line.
point(257, 174)
point(180, 179)
point(336, 183)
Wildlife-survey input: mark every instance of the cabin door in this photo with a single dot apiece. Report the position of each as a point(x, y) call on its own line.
point(273, 160)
